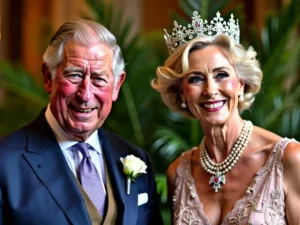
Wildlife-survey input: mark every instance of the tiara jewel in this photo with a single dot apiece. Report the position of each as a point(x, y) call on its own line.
point(199, 27)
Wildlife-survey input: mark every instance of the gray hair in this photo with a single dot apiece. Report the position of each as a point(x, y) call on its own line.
point(85, 32)
point(169, 76)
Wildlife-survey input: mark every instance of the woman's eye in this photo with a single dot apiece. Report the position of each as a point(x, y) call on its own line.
point(222, 75)
point(195, 79)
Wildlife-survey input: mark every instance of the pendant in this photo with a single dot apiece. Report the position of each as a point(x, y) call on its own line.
point(217, 180)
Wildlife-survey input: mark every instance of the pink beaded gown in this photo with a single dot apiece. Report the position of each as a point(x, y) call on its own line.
point(263, 202)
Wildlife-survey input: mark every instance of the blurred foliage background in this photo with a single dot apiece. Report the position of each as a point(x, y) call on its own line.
point(140, 116)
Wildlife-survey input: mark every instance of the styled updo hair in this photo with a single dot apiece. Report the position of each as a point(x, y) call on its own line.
point(169, 77)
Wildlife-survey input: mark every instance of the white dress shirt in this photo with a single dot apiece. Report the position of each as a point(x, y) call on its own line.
point(73, 156)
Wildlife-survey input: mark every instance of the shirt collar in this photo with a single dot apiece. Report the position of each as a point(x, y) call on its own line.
point(64, 141)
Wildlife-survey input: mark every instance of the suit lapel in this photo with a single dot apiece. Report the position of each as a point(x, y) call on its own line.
point(49, 164)
point(127, 204)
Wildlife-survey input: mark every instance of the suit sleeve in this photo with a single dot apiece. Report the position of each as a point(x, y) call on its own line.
point(155, 215)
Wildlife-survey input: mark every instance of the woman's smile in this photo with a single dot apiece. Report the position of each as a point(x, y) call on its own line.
point(213, 106)
point(211, 85)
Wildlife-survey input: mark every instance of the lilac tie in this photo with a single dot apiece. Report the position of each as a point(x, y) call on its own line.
point(90, 179)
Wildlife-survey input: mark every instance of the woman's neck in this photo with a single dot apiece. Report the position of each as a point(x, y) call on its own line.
point(220, 139)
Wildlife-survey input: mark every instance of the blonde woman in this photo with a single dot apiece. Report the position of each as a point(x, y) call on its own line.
point(239, 173)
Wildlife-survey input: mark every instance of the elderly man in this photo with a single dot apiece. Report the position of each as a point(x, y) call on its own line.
point(63, 168)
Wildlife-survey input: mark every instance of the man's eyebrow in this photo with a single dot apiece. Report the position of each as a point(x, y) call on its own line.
point(73, 69)
point(102, 72)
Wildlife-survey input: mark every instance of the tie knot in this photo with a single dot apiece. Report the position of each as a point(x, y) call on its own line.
point(83, 148)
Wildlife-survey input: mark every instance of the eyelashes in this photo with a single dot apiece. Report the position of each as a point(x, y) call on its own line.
point(77, 78)
point(200, 78)
point(222, 75)
point(195, 79)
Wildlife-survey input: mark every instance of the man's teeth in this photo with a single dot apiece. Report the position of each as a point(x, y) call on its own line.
point(214, 105)
point(84, 110)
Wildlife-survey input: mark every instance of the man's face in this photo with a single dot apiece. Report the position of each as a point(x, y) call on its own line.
point(82, 91)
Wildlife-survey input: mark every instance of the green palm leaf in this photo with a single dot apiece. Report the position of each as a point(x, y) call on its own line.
point(23, 97)
point(169, 144)
point(15, 79)
point(279, 100)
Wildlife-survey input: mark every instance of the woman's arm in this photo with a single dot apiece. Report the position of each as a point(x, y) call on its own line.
point(291, 163)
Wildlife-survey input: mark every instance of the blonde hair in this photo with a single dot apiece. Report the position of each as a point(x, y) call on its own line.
point(169, 76)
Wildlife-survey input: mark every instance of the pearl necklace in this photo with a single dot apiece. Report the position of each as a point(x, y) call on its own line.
point(218, 170)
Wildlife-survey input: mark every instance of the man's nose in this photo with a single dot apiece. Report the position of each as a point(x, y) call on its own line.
point(210, 89)
point(85, 90)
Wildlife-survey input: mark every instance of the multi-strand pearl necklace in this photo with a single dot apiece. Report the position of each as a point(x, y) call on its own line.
point(218, 170)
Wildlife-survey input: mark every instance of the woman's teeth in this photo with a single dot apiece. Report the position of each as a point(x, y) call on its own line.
point(213, 105)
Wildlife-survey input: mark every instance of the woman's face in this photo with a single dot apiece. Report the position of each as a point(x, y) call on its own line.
point(211, 86)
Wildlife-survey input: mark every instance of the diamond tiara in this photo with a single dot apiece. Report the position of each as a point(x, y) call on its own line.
point(199, 27)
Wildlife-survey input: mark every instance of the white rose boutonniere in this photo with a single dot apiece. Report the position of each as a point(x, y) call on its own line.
point(132, 167)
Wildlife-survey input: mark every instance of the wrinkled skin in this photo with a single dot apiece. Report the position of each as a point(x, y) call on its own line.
point(82, 91)
point(211, 88)
point(212, 79)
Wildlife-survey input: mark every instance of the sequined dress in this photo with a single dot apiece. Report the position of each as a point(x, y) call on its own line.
point(263, 202)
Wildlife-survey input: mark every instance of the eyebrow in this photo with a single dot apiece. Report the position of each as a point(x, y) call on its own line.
point(214, 70)
point(220, 68)
point(101, 72)
point(194, 72)
point(73, 69)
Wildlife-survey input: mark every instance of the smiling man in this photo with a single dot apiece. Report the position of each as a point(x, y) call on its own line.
point(63, 168)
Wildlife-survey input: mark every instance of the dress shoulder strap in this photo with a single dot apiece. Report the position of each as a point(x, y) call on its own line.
point(279, 147)
point(184, 167)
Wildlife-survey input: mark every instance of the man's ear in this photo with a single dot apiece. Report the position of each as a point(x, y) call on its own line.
point(47, 78)
point(118, 86)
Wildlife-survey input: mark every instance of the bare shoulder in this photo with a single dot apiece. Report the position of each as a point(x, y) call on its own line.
point(171, 172)
point(263, 140)
point(291, 180)
point(172, 169)
point(291, 157)
point(171, 178)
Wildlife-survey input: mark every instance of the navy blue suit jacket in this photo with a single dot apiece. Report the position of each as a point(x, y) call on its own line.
point(37, 186)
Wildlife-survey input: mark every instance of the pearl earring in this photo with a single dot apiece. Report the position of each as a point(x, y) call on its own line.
point(183, 105)
point(241, 97)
